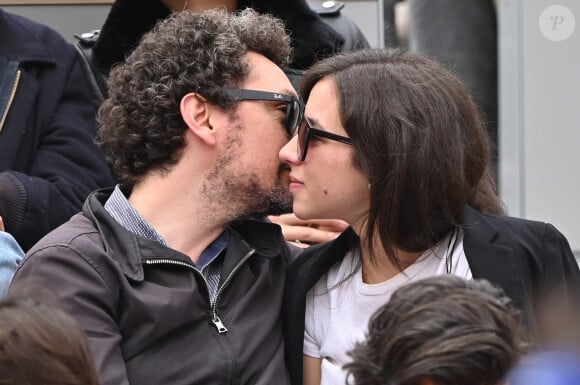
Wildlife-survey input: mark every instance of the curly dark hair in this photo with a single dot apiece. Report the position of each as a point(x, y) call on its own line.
point(141, 125)
point(445, 329)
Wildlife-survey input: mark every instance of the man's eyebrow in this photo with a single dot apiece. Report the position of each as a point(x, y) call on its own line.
point(290, 92)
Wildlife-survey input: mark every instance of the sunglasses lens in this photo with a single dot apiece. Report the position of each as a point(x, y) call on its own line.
point(290, 118)
point(302, 134)
point(293, 117)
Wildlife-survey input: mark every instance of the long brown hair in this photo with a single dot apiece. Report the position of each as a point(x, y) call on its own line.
point(419, 137)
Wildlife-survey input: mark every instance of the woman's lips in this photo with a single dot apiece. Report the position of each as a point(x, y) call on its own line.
point(295, 184)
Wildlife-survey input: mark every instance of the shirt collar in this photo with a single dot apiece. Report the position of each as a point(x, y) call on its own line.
point(119, 207)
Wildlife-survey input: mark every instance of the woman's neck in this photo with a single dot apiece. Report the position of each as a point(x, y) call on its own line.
point(378, 266)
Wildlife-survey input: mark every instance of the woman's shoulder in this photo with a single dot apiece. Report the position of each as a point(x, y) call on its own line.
point(507, 227)
point(530, 242)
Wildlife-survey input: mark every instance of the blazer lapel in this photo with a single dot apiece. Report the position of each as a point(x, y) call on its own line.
point(489, 260)
point(301, 275)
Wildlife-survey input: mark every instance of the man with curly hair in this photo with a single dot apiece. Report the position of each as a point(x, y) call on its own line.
point(168, 274)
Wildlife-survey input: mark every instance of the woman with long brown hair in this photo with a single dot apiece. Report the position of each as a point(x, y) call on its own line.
point(393, 144)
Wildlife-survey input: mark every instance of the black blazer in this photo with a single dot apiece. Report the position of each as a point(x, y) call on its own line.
point(520, 256)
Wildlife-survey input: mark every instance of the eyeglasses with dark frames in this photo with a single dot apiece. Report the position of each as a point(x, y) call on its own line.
point(294, 111)
point(306, 132)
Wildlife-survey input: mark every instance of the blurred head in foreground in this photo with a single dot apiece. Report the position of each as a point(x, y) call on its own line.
point(42, 345)
point(439, 331)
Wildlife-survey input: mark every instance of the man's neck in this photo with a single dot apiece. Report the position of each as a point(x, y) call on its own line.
point(186, 222)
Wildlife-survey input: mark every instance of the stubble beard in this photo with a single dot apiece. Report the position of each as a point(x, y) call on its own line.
point(235, 194)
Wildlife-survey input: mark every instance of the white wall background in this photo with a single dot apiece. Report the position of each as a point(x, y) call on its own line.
point(540, 112)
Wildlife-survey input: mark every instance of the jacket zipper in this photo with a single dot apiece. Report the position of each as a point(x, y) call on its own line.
point(10, 99)
point(216, 320)
point(214, 315)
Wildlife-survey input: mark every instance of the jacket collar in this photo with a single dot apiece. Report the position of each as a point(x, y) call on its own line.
point(131, 250)
point(316, 260)
point(265, 237)
point(23, 45)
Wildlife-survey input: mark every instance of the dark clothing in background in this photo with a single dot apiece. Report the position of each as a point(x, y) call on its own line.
point(49, 162)
point(312, 38)
point(462, 35)
point(522, 257)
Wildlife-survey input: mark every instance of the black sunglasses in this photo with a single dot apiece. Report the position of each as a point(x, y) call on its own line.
point(306, 132)
point(294, 111)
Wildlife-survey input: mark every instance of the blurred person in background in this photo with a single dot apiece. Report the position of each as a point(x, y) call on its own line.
point(556, 361)
point(463, 37)
point(10, 256)
point(49, 162)
point(312, 38)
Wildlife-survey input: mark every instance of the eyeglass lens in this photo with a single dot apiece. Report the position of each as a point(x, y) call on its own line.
point(293, 116)
point(303, 131)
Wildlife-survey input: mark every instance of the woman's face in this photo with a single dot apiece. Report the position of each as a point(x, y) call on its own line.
point(326, 185)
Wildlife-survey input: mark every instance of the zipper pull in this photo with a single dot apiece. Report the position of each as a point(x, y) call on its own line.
point(219, 325)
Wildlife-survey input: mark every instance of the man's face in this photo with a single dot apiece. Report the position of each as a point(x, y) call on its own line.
point(249, 173)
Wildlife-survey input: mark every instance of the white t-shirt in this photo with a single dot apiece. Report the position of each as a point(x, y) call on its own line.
point(337, 316)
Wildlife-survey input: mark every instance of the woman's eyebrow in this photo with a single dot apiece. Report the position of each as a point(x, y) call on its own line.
point(316, 124)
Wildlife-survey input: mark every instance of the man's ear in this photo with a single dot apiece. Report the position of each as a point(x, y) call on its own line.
point(196, 111)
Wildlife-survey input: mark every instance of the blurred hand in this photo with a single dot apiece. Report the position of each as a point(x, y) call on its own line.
point(1, 224)
point(306, 232)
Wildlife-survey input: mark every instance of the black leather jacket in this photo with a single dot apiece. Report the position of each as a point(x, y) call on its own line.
point(146, 309)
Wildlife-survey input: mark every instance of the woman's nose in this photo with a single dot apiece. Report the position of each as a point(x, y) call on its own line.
point(288, 153)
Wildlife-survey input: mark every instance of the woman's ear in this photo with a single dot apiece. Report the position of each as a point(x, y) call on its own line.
point(196, 111)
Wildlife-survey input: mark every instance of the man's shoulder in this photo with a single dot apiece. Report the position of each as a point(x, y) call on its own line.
point(75, 234)
point(76, 246)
